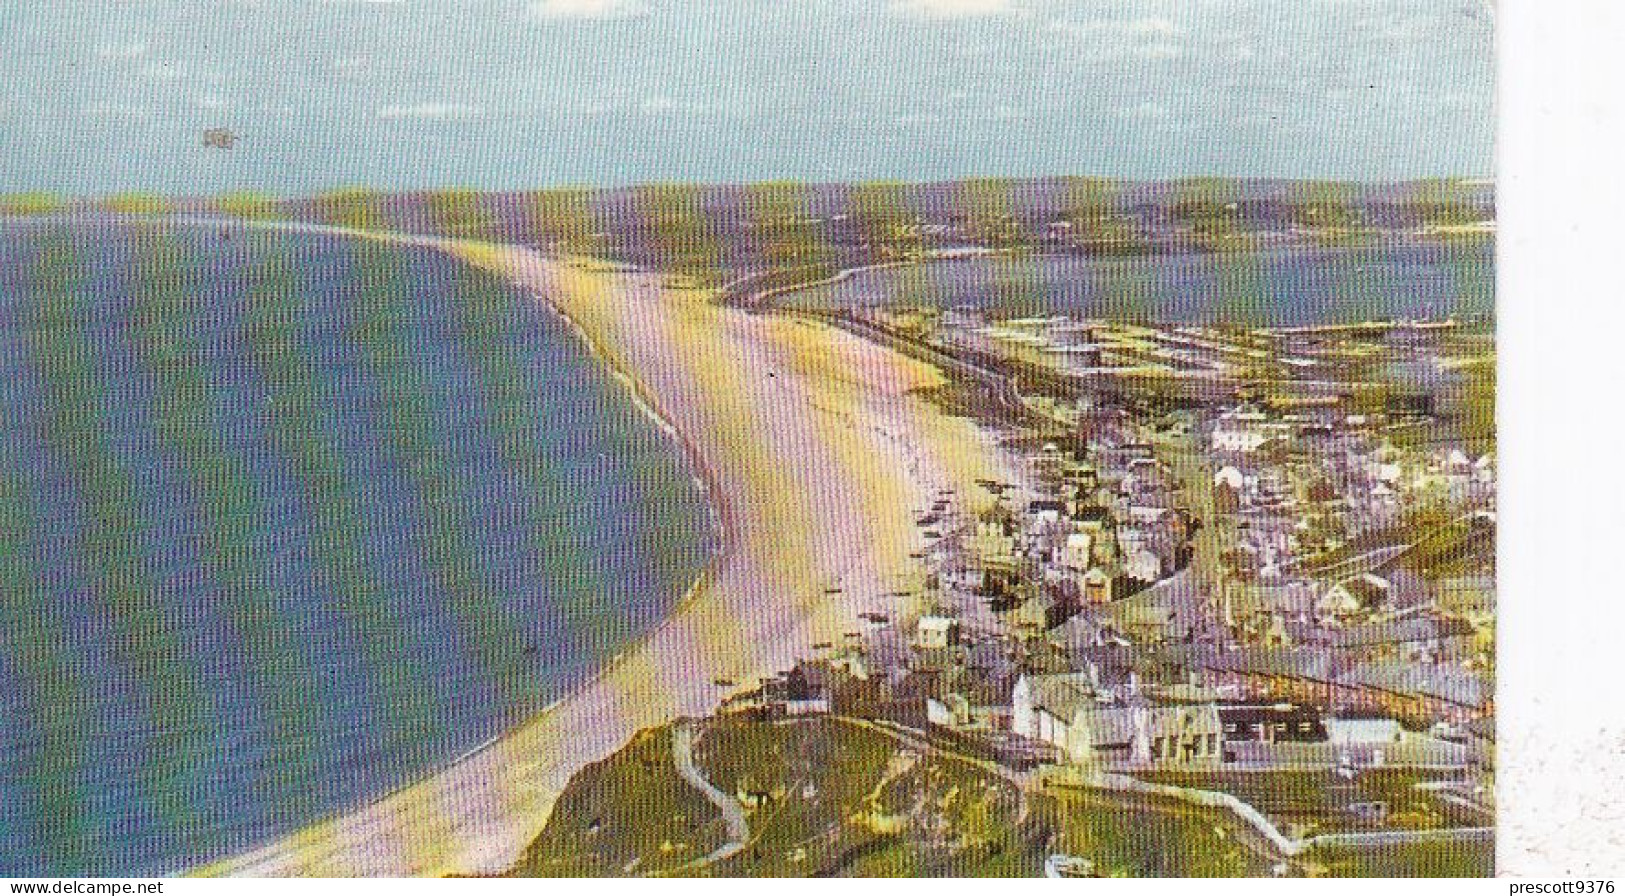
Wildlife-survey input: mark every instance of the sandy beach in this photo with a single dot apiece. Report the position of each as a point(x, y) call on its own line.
point(818, 455)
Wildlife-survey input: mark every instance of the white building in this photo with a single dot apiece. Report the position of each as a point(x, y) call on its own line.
point(1364, 731)
point(1142, 564)
point(936, 632)
point(1075, 554)
point(1065, 711)
point(1241, 432)
point(1230, 477)
point(1352, 596)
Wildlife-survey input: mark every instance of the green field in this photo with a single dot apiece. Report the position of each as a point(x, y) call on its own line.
point(1130, 837)
point(1304, 804)
point(1405, 860)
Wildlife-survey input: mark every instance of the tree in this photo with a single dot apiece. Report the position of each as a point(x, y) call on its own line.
point(137, 204)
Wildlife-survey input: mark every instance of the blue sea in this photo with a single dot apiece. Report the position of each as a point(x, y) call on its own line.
point(1268, 288)
point(287, 521)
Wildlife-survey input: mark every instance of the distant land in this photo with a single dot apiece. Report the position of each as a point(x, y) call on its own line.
point(766, 235)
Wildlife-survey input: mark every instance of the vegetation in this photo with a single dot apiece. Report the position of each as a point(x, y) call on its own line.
point(565, 218)
point(1306, 803)
point(358, 208)
point(461, 213)
point(1476, 420)
point(987, 210)
point(137, 204)
point(629, 814)
point(831, 797)
point(30, 203)
point(671, 223)
point(1447, 201)
point(1452, 549)
point(1147, 838)
point(1211, 208)
point(828, 797)
point(1454, 859)
point(886, 221)
point(840, 799)
point(823, 797)
point(249, 206)
point(1327, 204)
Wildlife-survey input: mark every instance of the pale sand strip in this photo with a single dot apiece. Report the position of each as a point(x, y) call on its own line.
point(818, 458)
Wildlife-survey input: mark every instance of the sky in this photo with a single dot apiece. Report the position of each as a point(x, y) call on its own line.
point(102, 97)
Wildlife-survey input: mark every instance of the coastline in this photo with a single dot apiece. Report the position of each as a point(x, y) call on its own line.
point(759, 299)
point(821, 495)
point(768, 299)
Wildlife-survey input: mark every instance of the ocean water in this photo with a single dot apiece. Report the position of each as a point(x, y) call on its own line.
point(287, 521)
point(1277, 287)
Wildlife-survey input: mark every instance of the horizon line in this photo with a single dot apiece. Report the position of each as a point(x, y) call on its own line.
point(1476, 180)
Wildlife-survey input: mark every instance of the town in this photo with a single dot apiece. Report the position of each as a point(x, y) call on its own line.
point(1247, 572)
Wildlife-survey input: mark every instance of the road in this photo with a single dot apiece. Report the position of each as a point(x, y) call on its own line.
point(918, 743)
point(1001, 387)
point(682, 755)
point(1189, 594)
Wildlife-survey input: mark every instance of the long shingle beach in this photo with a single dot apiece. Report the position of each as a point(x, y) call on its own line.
point(817, 452)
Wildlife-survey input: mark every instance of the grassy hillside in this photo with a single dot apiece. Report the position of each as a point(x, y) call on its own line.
point(1155, 838)
point(827, 797)
point(1407, 860)
point(844, 800)
point(630, 814)
point(823, 798)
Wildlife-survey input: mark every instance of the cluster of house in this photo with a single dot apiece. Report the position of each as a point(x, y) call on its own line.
point(1320, 520)
point(1117, 707)
point(1105, 525)
point(1316, 480)
point(1037, 644)
point(1068, 712)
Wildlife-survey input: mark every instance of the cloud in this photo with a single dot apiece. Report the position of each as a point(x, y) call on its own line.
point(122, 52)
point(586, 9)
point(431, 111)
point(954, 9)
point(165, 71)
point(1149, 27)
point(1148, 37)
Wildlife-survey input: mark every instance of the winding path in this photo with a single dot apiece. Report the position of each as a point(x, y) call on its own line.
point(682, 756)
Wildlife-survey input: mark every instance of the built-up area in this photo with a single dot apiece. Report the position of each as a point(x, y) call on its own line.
point(1251, 568)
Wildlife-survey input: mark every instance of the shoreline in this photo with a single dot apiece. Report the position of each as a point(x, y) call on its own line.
point(741, 617)
point(702, 476)
point(765, 300)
